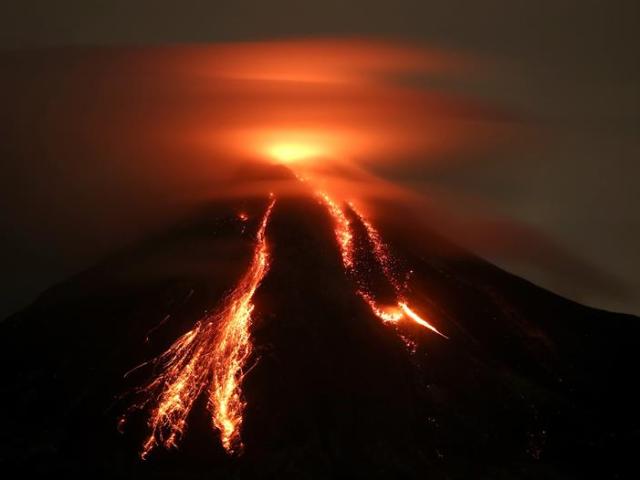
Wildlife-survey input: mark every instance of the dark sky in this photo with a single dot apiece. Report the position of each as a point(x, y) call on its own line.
point(570, 67)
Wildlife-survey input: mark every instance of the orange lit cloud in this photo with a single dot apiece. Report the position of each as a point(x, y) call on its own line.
point(338, 100)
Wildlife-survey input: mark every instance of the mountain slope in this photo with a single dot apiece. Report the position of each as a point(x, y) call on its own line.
point(527, 385)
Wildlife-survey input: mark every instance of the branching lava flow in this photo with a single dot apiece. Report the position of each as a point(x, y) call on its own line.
point(211, 355)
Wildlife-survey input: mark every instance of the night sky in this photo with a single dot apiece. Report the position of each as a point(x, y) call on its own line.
point(568, 70)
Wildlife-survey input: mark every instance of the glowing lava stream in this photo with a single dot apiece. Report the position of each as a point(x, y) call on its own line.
point(210, 356)
point(344, 235)
point(233, 346)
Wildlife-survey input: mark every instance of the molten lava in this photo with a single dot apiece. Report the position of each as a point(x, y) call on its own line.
point(211, 355)
point(344, 234)
point(343, 229)
point(233, 346)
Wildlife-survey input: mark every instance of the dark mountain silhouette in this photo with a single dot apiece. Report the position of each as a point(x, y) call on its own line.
point(528, 385)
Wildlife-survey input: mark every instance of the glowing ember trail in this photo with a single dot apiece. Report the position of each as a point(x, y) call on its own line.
point(380, 249)
point(212, 355)
point(344, 234)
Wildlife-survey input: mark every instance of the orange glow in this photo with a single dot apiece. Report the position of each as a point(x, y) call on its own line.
point(294, 152)
point(341, 100)
point(213, 353)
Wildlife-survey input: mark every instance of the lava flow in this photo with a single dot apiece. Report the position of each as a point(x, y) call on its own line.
point(344, 234)
point(210, 356)
point(233, 346)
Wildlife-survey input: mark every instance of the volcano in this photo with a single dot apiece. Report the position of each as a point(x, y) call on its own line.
point(286, 336)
